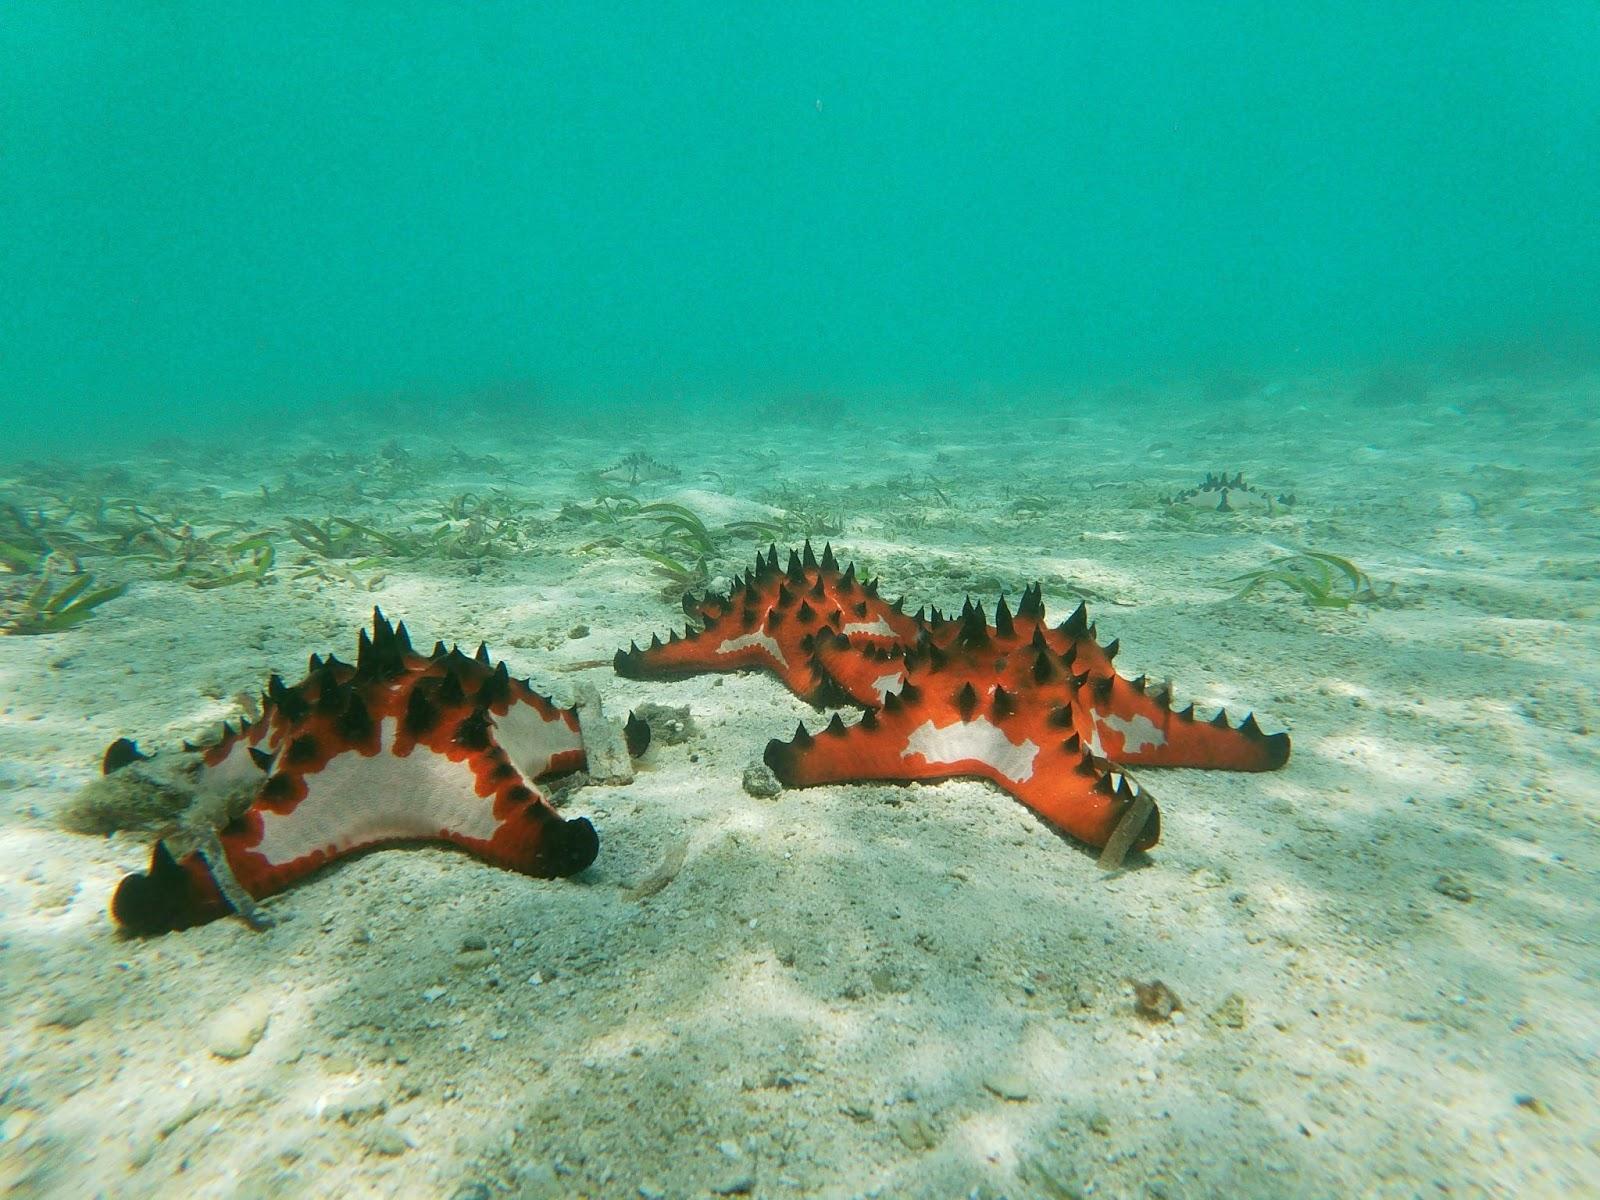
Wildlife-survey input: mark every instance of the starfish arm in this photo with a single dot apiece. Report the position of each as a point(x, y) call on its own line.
point(1071, 790)
point(172, 894)
point(776, 619)
point(476, 801)
point(1087, 799)
point(1122, 721)
point(715, 648)
point(727, 645)
point(302, 822)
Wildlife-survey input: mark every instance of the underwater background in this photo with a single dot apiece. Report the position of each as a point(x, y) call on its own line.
point(212, 212)
point(1257, 344)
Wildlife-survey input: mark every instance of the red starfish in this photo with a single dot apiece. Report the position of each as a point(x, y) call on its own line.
point(1118, 719)
point(830, 637)
point(399, 747)
point(1037, 709)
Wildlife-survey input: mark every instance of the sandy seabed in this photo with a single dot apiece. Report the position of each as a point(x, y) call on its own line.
point(1387, 953)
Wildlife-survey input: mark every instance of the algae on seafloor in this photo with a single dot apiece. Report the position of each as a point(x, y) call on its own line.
point(44, 608)
point(1325, 580)
point(672, 537)
point(478, 535)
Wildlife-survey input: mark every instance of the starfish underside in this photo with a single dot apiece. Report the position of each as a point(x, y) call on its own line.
point(398, 747)
point(1037, 709)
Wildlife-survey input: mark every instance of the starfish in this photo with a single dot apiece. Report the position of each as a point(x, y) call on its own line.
point(828, 636)
point(1037, 709)
point(1218, 493)
point(398, 747)
point(1123, 720)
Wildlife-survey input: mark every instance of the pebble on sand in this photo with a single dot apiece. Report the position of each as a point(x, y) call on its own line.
point(1232, 1013)
point(383, 1138)
point(234, 1031)
point(760, 782)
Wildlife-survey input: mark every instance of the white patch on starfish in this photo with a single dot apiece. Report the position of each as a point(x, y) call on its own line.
point(977, 740)
point(356, 800)
point(877, 627)
point(237, 767)
point(884, 684)
point(531, 740)
point(1138, 731)
point(744, 641)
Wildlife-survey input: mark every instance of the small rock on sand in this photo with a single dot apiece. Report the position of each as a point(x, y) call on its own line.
point(383, 1138)
point(234, 1031)
point(669, 726)
point(760, 782)
point(1231, 1013)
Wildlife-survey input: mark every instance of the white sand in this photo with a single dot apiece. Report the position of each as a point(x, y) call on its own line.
point(873, 990)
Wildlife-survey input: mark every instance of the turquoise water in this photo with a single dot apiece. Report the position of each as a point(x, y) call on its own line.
point(534, 326)
point(209, 209)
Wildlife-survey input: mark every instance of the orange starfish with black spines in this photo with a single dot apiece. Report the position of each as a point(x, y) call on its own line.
point(1037, 709)
point(397, 747)
point(830, 637)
